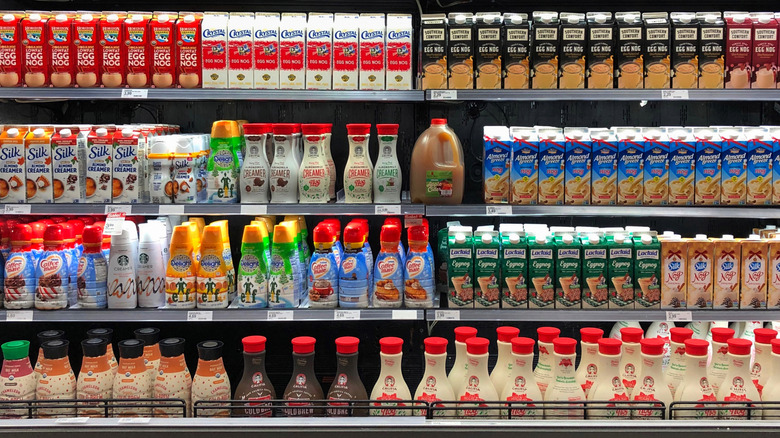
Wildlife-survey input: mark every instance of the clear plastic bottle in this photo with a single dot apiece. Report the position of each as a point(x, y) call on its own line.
point(521, 384)
point(675, 372)
point(503, 367)
point(545, 367)
point(358, 173)
point(588, 369)
point(388, 178)
point(391, 384)
point(435, 386)
point(457, 375)
point(437, 173)
point(630, 361)
point(695, 386)
point(564, 386)
point(608, 385)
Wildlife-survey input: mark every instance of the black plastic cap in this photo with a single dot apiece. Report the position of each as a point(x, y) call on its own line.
point(150, 335)
point(102, 333)
point(94, 347)
point(172, 347)
point(131, 348)
point(210, 350)
point(50, 335)
point(55, 349)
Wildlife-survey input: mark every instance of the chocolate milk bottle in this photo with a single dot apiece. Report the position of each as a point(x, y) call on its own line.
point(573, 45)
point(764, 59)
point(739, 49)
point(599, 56)
point(433, 52)
point(685, 40)
point(254, 384)
point(657, 49)
point(487, 54)
point(346, 384)
point(712, 49)
point(460, 51)
point(544, 55)
point(517, 48)
point(303, 387)
point(629, 52)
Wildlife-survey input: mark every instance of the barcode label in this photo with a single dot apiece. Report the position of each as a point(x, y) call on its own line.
point(134, 93)
point(679, 316)
point(447, 315)
point(346, 315)
point(444, 95)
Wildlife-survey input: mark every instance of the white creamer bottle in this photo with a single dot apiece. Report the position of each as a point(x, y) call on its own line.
point(358, 173)
point(122, 264)
point(608, 385)
point(772, 387)
point(457, 375)
point(387, 173)
point(503, 367)
point(719, 365)
point(675, 372)
point(254, 181)
point(714, 324)
point(521, 385)
point(563, 386)
point(326, 138)
point(651, 385)
point(588, 369)
point(761, 370)
point(737, 385)
point(695, 386)
point(284, 169)
point(313, 176)
point(544, 367)
point(391, 384)
point(151, 265)
point(660, 330)
point(630, 361)
point(434, 386)
point(185, 170)
point(478, 386)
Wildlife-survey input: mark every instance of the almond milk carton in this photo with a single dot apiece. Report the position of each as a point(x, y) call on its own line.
point(708, 167)
point(240, 47)
point(674, 275)
point(127, 163)
point(85, 40)
point(700, 272)
point(552, 148)
point(34, 49)
point(524, 166)
point(759, 166)
point(266, 50)
point(163, 41)
point(137, 47)
point(12, 169)
point(630, 164)
point(399, 53)
point(319, 51)
point(577, 168)
point(774, 135)
point(37, 147)
point(112, 54)
point(100, 145)
point(726, 272)
point(59, 34)
point(682, 152)
point(10, 49)
point(292, 46)
point(656, 166)
point(188, 52)
point(733, 166)
point(345, 51)
point(773, 301)
point(603, 166)
point(69, 166)
point(753, 287)
point(214, 49)
point(372, 52)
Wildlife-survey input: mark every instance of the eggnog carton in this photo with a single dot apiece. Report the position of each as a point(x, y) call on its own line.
point(292, 46)
point(10, 48)
point(773, 300)
point(137, 46)
point(372, 52)
point(759, 166)
point(240, 45)
point(127, 162)
point(755, 261)
point(12, 170)
point(266, 50)
point(682, 152)
point(726, 272)
point(345, 51)
point(163, 41)
point(37, 147)
point(61, 47)
point(739, 49)
point(112, 54)
point(214, 48)
point(764, 60)
point(35, 59)
point(630, 163)
point(85, 40)
point(577, 166)
point(603, 166)
point(319, 51)
point(674, 273)
point(100, 145)
point(656, 166)
point(733, 167)
point(708, 167)
point(524, 166)
point(399, 52)
point(701, 262)
point(188, 52)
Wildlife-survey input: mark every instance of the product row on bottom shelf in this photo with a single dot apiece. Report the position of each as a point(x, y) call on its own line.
point(624, 375)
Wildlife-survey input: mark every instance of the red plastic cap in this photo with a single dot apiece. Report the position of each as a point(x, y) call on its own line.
point(631, 334)
point(284, 128)
point(53, 234)
point(88, 220)
point(764, 336)
point(610, 346)
point(680, 334)
point(347, 345)
point(434, 345)
point(353, 234)
point(387, 129)
point(303, 344)
point(722, 334)
point(78, 226)
point(257, 128)
point(696, 347)
point(393, 221)
point(358, 129)
point(311, 129)
point(4, 233)
point(462, 334)
point(38, 228)
point(325, 128)
point(523, 345)
point(652, 346)
point(775, 346)
point(21, 233)
point(564, 345)
point(506, 334)
point(591, 335)
point(547, 334)
point(477, 346)
point(391, 345)
point(335, 225)
point(390, 233)
point(68, 233)
point(739, 347)
point(46, 221)
point(93, 234)
point(254, 344)
point(322, 233)
point(438, 121)
point(417, 233)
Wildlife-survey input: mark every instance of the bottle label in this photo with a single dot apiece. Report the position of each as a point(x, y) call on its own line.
point(323, 281)
point(281, 284)
point(358, 178)
point(53, 281)
point(438, 184)
point(388, 280)
point(252, 282)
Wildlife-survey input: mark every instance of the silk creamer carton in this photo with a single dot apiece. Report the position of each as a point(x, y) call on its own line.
point(266, 48)
point(12, 169)
point(214, 49)
point(524, 166)
point(603, 166)
point(372, 51)
point(99, 170)
point(69, 165)
point(37, 161)
point(399, 52)
point(319, 51)
point(240, 45)
point(345, 51)
point(292, 51)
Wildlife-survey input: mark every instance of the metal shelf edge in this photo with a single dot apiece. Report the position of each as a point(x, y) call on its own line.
point(203, 94)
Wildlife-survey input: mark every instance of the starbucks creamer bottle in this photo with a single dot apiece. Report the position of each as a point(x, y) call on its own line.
point(434, 386)
point(211, 277)
point(521, 384)
point(182, 267)
point(387, 172)
point(223, 165)
point(358, 173)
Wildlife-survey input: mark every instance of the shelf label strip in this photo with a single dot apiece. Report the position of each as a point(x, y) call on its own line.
point(200, 315)
point(19, 315)
point(171, 209)
point(346, 315)
point(404, 314)
point(387, 209)
point(280, 315)
point(447, 315)
point(679, 316)
point(250, 209)
point(134, 93)
point(444, 94)
point(17, 209)
point(498, 210)
point(126, 209)
point(674, 94)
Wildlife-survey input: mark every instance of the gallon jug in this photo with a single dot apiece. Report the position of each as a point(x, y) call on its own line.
point(437, 173)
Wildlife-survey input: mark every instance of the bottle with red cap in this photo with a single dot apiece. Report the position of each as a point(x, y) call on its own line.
point(719, 366)
point(457, 375)
point(771, 391)
point(346, 384)
point(478, 386)
point(608, 385)
point(303, 391)
point(354, 277)
point(254, 385)
point(588, 369)
point(388, 270)
point(391, 384)
point(675, 372)
point(651, 384)
point(313, 176)
point(419, 278)
point(327, 135)
point(564, 386)
point(397, 222)
point(38, 229)
point(387, 173)
point(737, 386)
point(358, 173)
point(695, 385)
point(254, 179)
point(503, 367)
point(437, 173)
point(21, 279)
point(521, 383)
point(72, 260)
point(52, 271)
point(545, 367)
point(323, 269)
point(435, 386)
point(631, 359)
point(284, 169)
point(760, 370)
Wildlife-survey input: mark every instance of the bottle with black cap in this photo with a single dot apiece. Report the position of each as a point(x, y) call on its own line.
point(17, 380)
point(173, 379)
point(107, 334)
point(132, 381)
point(254, 384)
point(151, 337)
point(57, 381)
point(347, 384)
point(46, 335)
point(211, 382)
point(96, 380)
point(303, 386)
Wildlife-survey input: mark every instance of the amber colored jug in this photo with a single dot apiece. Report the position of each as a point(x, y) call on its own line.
point(437, 174)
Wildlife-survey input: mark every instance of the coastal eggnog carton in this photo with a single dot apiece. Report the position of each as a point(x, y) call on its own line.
point(371, 47)
point(292, 51)
point(399, 52)
point(759, 166)
point(674, 273)
point(35, 53)
point(68, 166)
point(630, 163)
point(682, 154)
point(100, 150)
point(577, 166)
point(712, 49)
point(552, 147)
point(600, 56)
point(127, 162)
point(12, 169)
point(708, 167)
point(524, 166)
point(629, 54)
point(656, 166)
point(657, 49)
point(188, 54)
point(61, 47)
point(739, 49)
point(496, 159)
point(319, 51)
point(755, 261)
point(460, 266)
point(517, 51)
point(11, 49)
point(162, 36)
point(573, 47)
point(733, 167)
point(647, 269)
point(764, 60)
point(433, 52)
point(345, 51)
point(701, 263)
point(266, 50)
point(137, 47)
point(488, 50)
point(726, 272)
point(685, 50)
point(86, 50)
point(773, 298)
point(214, 50)
point(545, 50)
point(603, 166)
point(112, 53)
point(240, 45)
point(37, 147)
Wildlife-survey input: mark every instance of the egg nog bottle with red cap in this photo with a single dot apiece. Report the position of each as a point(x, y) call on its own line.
point(391, 384)
point(347, 385)
point(478, 386)
point(695, 385)
point(435, 386)
point(738, 386)
point(563, 386)
point(544, 367)
point(314, 175)
point(630, 361)
point(457, 375)
point(503, 367)
point(719, 366)
point(675, 372)
point(608, 385)
point(651, 384)
point(358, 173)
point(588, 369)
point(761, 369)
point(771, 392)
point(520, 383)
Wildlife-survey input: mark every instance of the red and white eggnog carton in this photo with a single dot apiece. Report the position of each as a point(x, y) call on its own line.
point(399, 52)
point(372, 52)
point(10, 49)
point(292, 51)
point(739, 49)
point(214, 50)
point(137, 45)
point(112, 54)
point(188, 54)
point(345, 51)
point(60, 43)
point(35, 61)
point(266, 50)
point(85, 40)
point(162, 37)
point(764, 61)
point(319, 51)
point(240, 44)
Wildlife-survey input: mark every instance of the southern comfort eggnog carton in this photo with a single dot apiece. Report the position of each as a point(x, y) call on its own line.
point(85, 40)
point(399, 53)
point(573, 47)
point(460, 51)
point(112, 55)
point(240, 45)
point(517, 50)
point(345, 51)
point(372, 52)
point(319, 51)
point(266, 50)
point(12, 169)
point(726, 272)
point(712, 49)
point(600, 56)
point(545, 50)
point(685, 50)
point(37, 146)
point(10, 49)
point(682, 154)
point(292, 51)
point(60, 39)
point(137, 47)
point(163, 56)
point(739, 49)
point(188, 52)
point(657, 49)
point(764, 61)
point(433, 51)
point(629, 58)
point(35, 53)
point(214, 50)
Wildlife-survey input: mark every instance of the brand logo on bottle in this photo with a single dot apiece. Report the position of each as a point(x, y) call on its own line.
point(257, 378)
point(320, 267)
point(288, 34)
point(300, 379)
point(348, 265)
point(340, 35)
point(249, 263)
point(565, 362)
point(414, 266)
point(210, 263)
point(223, 158)
point(342, 380)
point(393, 35)
point(213, 33)
point(51, 264)
point(181, 262)
point(15, 266)
point(387, 267)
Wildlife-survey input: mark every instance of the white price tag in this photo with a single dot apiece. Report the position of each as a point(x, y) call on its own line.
point(171, 209)
point(404, 314)
point(135, 93)
point(126, 209)
point(447, 315)
point(674, 94)
point(19, 315)
point(684, 316)
point(280, 315)
point(113, 225)
point(444, 94)
point(254, 209)
point(387, 209)
point(412, 220)
point(76, 420)
point(346, 315)
point(17, 209)
point(498, 210)
point(200, 315)
point(134, 420)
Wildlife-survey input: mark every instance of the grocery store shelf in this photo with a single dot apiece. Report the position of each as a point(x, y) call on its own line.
point(741, 212)
point(580, 315)
point(607, 95)
point(217, 209)
point(200, 94)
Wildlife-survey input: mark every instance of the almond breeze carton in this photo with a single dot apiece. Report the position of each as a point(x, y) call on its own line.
point(708, 173)
point(266, 51)
point(568, 271)
point(603, 166)
point(577, 166)
point(552, 147)
point(12, 169)
point(726, 272)
point(774, 134)
point(460, 267)
point(647, 270)
point(37, 147)
point(733, 166)
point(495, 164)
point(682, 154)
point(620, 270)
point(514, 266)
point(674, 273)
point(630, 163)
point(345, 51)
point(524, 171)
point(656, 170)
point(759, 166)
point(319, 51)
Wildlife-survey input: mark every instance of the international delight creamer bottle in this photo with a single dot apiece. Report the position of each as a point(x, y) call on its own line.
point(223, 165)
point(180, 274)
point(212, 280)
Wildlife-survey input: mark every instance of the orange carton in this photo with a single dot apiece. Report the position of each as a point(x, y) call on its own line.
point(673, 272)
point(727, 255)
point(773, 302)
point(700, 264)
point(12, 169)
point(753, 287)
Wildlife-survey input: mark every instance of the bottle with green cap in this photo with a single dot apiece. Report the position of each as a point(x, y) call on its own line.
point(252, 269)
point(284, 261)
point(17, 379)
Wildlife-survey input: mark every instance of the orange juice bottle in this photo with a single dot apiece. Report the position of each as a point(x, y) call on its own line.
point(182, 267)
point(212, 277)
point(437, 173)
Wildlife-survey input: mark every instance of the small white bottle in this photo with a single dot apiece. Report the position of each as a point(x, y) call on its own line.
point(630, 360)
point(284, 169)
point(160, 165)
point(772, 387)
point(151, 265)
point(478, 386)
point(761, 370)
point(651, 384)
point(713, 324)
point(521, 384)
point(615, 332)
point(434, 386)
point(255, 170)
point(660, 329)
point(588, 369)
point(503, 367)
point(544, 367)
point(737, 385)
point(457, 375)
point(387, 173)
point(608, 385)
point(358, 173)
point(122, 262)
point(564, 386)
point(719, 366)
point(675, 372)
point(695, 385)
point(313, 175)
point(391, 384)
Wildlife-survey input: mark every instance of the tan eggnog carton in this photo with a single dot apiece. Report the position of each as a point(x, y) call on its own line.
point(399, 53)
point(266, 50)
point(753, 287)
point(292, 51)
point(240, 45)
point(726, 272)
point(674, 273)
point(37, 146)
point(12, 169)
point(345, 51)
point(188, 53)
point(214, 50)
point(700, 272)
point(319, 51)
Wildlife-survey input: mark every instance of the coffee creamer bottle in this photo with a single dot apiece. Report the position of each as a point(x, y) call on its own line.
point(72, 262)
point(353, 273)
point(503, 367)
point(106, 334)
point(545, 366)
point(254, 385)
point(151, 266)
point(21, 280)
point(180, 289)
point(695, 385)
point(253, 269)
point(122, 263)
point(132, 380)
point(391, 384)
point(17, 379)
point(211, 381)
point(52, 272)
point(313, 176)
point(675, 372)
point(651, 384)
point(282, 291)
point(608, 385)
point(588, 370)
point(223, 166)
point(737, 385)
point(457, 375)
point(387, 172)
point(96, 380)
point(419, 277)
point(46, 335)
point(563, 385)
point(477, 386)
point(284, 168)
point(151, 338)
point(520, 385)
point(160, 162)
point(435, 386)
point(303, 387)
point(388, 270)
point(173, 379)
point(211, 278)
point(323, 270)
point(771, 392)
point(255, 171)
point(57, 381)
point(358, 178)
point(630, 361)
point(347, 384)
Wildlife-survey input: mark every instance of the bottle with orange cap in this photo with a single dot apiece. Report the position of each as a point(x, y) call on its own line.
point(21, 280)
point(223, 165)
point(52, 271)
point(92, 270)
point(180, 288)
point(314, 176)
point(388, 270)
point(253, 269)
point(211, 278)
point(282, 274)
point(354, 277)
point(358, 173)
point(323, 269)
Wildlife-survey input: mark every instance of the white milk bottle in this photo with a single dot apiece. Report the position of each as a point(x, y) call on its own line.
point(608, 385)
point(544, 367)
point(284, 169)
point(434, 386)
point(313, 176)
point(358, 171)
point(255, 171)
point(521, 384)
point(387, 172)
point(772, 387)
point(391, 384)
point(326, 137)
point(122, 264)
point(160, 169)
point(588, 369)
point(761, 370)
point(695, 386)
point(675, 372)
point(503, 367)
point(151, 265)
point(651, 385)
point(457, 375)
point(478, 387)
point(563, 386)
point(719, 365)
point(737, 385)
point(660, 330)
point(630, 361)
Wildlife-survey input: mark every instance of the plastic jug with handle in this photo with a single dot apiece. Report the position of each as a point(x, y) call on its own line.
point(437, 172)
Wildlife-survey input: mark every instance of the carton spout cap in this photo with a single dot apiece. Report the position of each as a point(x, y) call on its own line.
point(86, 18)
point(38, 133)
point(8, 18)
point(61, 18)
point(514, 238)
point(460, 238)
point(728, 237)
point(516, 19)
point(486, 239)
point(593, 239)
point(763, 19)
point(460, 19)
point(547, 18)
point(189, 18)
point(646, 240)
point(701, 237)
point(65, 132)
point(711, 18)
point(740, 18)
point(13, 132)
point(540, 238)
point(112, 18)
point(573, 19)
point(35, 18)
point(620, 238)
point(601, 18)
point(101, 132)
